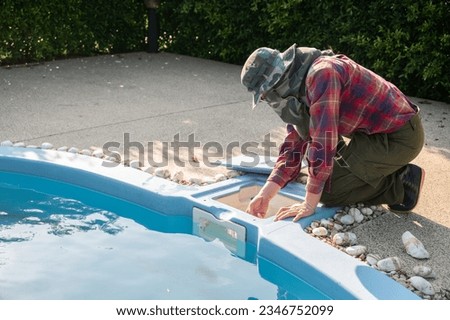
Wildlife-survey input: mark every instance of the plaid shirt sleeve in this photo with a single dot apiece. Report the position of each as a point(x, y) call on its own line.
point(290, 157)
point(324, 89)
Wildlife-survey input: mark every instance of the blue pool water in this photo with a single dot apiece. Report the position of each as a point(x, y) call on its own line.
point(73, 243)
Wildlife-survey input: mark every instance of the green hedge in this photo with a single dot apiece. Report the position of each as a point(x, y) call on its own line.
point(406, 41)
point(42, 30)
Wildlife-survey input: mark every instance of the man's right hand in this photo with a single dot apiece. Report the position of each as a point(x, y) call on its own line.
point(258, 206)
point(260, 203)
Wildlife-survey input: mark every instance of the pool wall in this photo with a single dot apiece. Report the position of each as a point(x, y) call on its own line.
point(281, 244)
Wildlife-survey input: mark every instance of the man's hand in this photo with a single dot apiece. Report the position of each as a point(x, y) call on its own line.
point(258, 206)
point(297, 210)
point(260, 203)
point(300, 210)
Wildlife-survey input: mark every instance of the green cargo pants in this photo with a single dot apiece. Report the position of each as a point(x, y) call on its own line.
point(367, 169)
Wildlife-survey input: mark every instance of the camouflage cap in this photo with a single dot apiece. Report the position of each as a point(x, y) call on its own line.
point(262, 70)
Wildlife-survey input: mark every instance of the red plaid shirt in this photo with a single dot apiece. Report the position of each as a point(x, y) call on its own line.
point(344, 98)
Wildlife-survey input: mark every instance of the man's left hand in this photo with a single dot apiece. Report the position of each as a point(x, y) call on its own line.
point(297, 210)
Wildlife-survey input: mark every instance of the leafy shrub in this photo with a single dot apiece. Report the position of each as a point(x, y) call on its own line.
point(405, 41)
point(41, 30)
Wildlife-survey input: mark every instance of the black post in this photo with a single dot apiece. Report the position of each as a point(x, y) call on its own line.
point(153, 25)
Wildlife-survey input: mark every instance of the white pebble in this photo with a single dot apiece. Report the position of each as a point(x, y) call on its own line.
point(320, 232)
point(347, 219)
point(345, 239)
point(356, 214)
point(220, 177)
point(149, 169)
point(196, 181)
point(6, 143)
point(367, 211)
point(64, 148)
point(353, 211)
point(232, 174)
point(73, 150)
point(338, 227)
point(356, 250)
point(326, 223)
point(46, 146)
point(178, 176)
point(424, 272)
point(162, 173)
point(19, 145)
point(135, 164)
point(303, 179)
point(414, 247)
point(372, 259)
point(422, 285)
point(359, 217)
point(390, 264)
point(98, 153)
point(86, 152)
point(32, 146)
point(315, 224)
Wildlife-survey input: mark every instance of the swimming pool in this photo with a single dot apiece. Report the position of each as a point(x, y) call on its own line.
point(54, 247)
point(88, 231)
